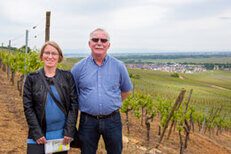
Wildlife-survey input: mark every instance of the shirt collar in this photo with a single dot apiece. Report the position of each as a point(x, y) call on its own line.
point(104, 61)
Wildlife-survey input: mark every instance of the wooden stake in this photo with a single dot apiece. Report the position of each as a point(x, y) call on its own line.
point(47, 31)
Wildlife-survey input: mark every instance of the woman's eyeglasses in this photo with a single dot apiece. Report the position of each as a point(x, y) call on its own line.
point(97, 40)
point(51, 53)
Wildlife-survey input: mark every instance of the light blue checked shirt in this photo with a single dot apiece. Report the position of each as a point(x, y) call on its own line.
point(99, 87)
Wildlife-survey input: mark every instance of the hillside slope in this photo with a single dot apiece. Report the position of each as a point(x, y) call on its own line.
point(13, 131)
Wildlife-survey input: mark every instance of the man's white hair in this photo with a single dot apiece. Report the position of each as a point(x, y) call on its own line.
point(100, 29)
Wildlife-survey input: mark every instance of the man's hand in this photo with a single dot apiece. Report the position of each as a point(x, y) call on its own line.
point(67, 140)
point(41, 140)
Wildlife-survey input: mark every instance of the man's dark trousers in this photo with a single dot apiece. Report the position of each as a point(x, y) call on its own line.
point(110, 128)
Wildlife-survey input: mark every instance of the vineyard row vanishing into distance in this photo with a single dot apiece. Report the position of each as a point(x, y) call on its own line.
point(188, 102)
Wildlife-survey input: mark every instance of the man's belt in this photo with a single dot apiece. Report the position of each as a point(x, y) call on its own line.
point(101, 116)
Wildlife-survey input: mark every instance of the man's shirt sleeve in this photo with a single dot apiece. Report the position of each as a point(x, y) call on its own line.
point(125, 82)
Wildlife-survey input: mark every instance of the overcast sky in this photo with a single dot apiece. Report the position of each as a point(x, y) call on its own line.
point(134, 25)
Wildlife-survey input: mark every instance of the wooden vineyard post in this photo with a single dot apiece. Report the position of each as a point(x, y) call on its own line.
point(174, 122)
point(47, 30)
point(178, 100)
point(189, 98)
point(187, 126)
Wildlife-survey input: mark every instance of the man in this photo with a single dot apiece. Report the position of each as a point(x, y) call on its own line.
point(102, 84)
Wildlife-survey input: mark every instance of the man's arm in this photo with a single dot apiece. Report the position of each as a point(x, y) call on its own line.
point(125, 95)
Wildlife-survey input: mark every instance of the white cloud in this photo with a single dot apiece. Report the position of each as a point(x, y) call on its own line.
point(20, 11)
point(152, 24)
point(136, 17)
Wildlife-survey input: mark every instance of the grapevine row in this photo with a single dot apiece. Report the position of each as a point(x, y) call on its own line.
point(179, 114)
point(19, 61)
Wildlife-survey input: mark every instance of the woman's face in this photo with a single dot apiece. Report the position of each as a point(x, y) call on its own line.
point(50, 56)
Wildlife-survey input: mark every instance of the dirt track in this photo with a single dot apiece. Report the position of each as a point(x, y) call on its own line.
point(13, 130)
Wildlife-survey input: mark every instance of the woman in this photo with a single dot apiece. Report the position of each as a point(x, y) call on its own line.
point(50, 101)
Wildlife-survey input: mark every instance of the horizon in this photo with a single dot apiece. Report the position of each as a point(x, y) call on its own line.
point(163, 53)
point(137, 51)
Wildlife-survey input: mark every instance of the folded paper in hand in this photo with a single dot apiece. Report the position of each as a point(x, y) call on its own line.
point(56, 146)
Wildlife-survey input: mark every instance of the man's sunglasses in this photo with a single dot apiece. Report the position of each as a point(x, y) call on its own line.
point(97, 40)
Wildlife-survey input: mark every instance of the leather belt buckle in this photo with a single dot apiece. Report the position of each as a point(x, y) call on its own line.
point(100, 117)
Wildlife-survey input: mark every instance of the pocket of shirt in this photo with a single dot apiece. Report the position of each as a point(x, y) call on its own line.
point(87, 84)
point(112, 82)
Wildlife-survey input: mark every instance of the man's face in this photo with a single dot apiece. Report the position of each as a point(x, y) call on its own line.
point(99, 43)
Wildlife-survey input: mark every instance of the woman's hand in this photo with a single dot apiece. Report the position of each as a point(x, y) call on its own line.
point(67, 140)
point(41, 140)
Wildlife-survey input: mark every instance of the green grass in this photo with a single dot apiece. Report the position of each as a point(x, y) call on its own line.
point(68, 63)
point(216, 78)
point(161, 84)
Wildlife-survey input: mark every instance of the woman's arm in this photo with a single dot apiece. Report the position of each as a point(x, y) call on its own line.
point(31, 117)
point(70, 127)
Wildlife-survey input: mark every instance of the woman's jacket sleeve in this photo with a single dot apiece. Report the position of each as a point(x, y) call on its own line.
point(32, 120)
point(70, 127)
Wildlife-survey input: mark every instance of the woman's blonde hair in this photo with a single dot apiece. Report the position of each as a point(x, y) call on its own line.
point(56, 46)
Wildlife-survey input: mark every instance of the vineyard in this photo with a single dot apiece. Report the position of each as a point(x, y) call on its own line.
point(160, 107)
